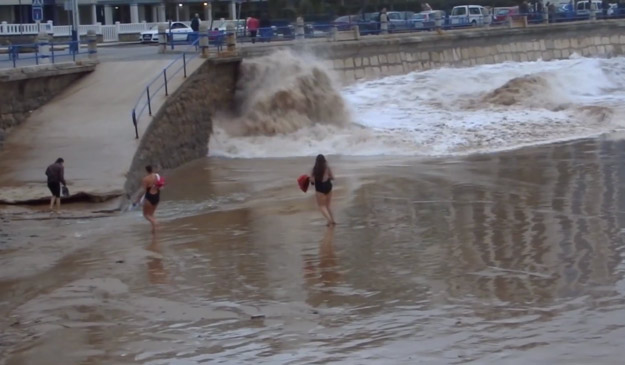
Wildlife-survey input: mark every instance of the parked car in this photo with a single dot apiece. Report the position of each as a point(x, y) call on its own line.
point(500, 15)
point(222, 25)
point(427, 20)
point(346, 22)
point(177, 31)
point(469, 15)
point(399, 20)
point(583, 8)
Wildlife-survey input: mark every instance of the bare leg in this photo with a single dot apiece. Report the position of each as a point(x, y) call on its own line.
point(52, 203)
point(321, 203)
point(328, 201)
point(148, 213)
point(58, 203)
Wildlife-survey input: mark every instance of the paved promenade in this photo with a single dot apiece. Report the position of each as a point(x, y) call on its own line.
point(89, 125)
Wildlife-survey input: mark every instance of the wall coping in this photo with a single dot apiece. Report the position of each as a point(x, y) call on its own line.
point(57, 69)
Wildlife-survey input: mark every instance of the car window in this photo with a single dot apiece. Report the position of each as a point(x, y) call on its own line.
point(371, 16)
point(474, 11)
point(502, 12)
point(418, 17)
point(394, 16)
point(178, 26)
point(459, 11)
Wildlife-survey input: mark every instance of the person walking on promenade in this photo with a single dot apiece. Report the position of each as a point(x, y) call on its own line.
point(151, 184)
point(195, 23)
point(253, 25)
point(56, 177)
point(321, 178)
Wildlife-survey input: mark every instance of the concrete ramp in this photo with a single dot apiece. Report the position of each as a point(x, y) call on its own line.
point(90, 126)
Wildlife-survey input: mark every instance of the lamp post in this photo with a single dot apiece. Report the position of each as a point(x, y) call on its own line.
point(21, 17)
point(75, 20)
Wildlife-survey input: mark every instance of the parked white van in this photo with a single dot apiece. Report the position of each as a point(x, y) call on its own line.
point(469, 15)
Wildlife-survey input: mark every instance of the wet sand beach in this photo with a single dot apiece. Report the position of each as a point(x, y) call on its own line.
point(512, 257)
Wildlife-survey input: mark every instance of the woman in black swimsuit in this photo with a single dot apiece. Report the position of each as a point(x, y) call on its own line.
point(152, 196)
point(322, 180)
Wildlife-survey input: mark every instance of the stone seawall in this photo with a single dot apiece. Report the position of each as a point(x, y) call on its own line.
point(25, 89)
point(377, 56)
point(180, 130)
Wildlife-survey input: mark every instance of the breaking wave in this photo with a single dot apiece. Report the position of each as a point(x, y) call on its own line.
point(436, 112)
point(282, 93)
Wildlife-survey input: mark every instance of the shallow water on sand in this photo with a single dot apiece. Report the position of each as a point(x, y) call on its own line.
point(509, 258)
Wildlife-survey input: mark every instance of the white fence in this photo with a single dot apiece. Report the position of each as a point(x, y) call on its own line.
point(14, 29)
point(110, 33)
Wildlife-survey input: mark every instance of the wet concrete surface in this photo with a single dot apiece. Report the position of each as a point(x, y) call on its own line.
point(511, 258)
point(90, 126)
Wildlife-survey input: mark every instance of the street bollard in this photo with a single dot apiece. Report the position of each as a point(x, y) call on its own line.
point(231, 38)
point(203, 40)
point(356, 30)
point(92, 44)
point(162, 38)
point(545, 15)
point(43, 44)
point(593, 15)
point(299, 28)
point(509, 21)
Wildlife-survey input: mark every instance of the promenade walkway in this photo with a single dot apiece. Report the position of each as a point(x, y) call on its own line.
point(89, 125)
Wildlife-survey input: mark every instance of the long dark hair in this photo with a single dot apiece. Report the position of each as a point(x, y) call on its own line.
point(320, 168)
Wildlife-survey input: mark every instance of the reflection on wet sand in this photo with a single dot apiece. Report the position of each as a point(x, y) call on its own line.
point(512, 257)
point(322, 269)
point(156, 270)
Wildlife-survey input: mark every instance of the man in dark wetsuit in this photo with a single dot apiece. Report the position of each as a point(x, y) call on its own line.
point(56, 177)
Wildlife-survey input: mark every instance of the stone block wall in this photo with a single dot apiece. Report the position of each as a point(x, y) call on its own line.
point(25, 89)
point(385, 55)
point(378, 57)
point(180, 130)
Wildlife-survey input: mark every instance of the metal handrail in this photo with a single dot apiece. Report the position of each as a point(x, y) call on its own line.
point(144, 101)
point(15, 55)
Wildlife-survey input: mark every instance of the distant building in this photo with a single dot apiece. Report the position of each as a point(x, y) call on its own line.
point(108, 12)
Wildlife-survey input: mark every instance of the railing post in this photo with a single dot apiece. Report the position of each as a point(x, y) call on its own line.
point(134, 121)
point(184, 64)
point(165, 77)
point(147, 91)
point(52, 51)
point(14, 53)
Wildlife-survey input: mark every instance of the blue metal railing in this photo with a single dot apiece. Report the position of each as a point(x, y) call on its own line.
point(160, 81)
point(373, 27)
point(36, 53)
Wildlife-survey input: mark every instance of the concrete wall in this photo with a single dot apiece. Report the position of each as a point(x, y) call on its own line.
point(180, 130)
point(25, 89)
point(376, 56)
